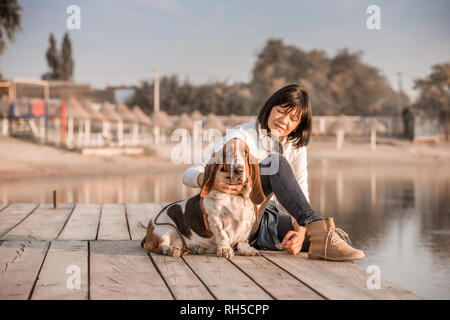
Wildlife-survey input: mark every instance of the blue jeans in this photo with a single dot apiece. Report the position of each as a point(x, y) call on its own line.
point(273, 225)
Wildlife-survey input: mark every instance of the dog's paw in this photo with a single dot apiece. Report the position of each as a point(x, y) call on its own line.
point(248, 251)
point(173, 251)
point(225, 252)
point(197, 249)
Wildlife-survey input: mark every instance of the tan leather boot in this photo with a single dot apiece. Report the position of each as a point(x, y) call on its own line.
point(329, 243)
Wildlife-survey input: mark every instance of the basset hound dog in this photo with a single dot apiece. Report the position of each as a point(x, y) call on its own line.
point(212, 221)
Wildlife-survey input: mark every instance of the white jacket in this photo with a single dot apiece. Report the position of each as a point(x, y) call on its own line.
point(297, 157)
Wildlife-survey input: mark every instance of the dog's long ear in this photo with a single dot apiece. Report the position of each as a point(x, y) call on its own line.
point(208, 178)
point(257, 194)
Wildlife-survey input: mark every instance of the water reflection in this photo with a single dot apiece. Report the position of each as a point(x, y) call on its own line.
point(399, 215)
point(119, 189)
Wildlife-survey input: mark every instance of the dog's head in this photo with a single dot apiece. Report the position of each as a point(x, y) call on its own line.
point(243, 168)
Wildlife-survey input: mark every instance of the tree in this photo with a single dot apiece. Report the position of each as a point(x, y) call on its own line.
point(357, 88)
point(66, 59)
point(340, 84)
point(61, 63)
point(10, 22)
point(434, 96)
point(52, 60)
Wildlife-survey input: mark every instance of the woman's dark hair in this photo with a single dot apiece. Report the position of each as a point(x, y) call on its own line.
point(291, 96)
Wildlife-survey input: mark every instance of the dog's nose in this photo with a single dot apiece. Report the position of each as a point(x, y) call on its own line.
point(238, 169)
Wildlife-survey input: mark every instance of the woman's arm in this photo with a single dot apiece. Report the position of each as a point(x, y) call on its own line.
point(193, 176)
point(200, 179)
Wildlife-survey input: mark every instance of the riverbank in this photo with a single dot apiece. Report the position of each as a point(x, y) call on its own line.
point(21, 159)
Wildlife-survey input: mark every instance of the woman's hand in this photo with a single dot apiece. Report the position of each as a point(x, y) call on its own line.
point(223, 183)
point(293, 241)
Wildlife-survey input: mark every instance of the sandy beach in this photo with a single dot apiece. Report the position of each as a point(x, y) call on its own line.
point(20, 159)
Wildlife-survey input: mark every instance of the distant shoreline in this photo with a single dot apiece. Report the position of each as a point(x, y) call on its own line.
point(21, 160)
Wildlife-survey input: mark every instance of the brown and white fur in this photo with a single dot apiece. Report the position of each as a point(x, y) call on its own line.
point(227, 219)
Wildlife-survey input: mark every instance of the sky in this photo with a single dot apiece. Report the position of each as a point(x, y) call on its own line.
point(122, 42)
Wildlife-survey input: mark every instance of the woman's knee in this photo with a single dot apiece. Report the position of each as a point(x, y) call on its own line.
point(273, 163)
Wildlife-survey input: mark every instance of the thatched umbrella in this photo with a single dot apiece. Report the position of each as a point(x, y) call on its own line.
point(112, 116)
point(93, 113)
point(196, 116)
point(162, 121)
point(130, 117)
point(213, 123)
point(143, 118)
point(108, 112)
point(339, 127)
point(74, 111)
point(184, 122)
point(126, 114)
point(375, 125)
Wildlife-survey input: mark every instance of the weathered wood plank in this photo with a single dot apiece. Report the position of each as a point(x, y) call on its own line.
point(3, 206)
point(13, 215)
point(113, 223)
point(139, 214)
point(183, 283)
point(326, 284)
point(83, 223)
point(56, 279)
point(44, 224)
point(277, 282)
point(358, 277)
point(123, 270)
point(225, 281)
point(20, 262)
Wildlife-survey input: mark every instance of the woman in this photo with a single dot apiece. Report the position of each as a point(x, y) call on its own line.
point(285, 117)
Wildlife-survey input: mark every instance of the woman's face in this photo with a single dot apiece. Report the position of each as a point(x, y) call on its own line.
point(282, 121)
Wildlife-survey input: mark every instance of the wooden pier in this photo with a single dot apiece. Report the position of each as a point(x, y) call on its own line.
point(45, 251)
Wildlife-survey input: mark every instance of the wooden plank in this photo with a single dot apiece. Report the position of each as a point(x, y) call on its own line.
point(326, 284)
point(277, 282)
point(358, 277)
point(3, 206)
point(44, 224)
point(183, 283)
point(13, 215)
point(123, 270)
point(225, 281)
point(113, 223)
point(59, 269)
point(20, 262)
point(139, 214)
point(83, 223)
